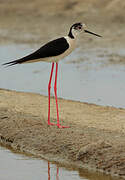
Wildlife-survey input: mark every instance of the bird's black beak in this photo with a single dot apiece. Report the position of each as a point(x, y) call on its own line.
point(92, 33)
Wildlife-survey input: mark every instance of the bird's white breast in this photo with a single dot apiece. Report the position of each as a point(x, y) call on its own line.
point(72, 45)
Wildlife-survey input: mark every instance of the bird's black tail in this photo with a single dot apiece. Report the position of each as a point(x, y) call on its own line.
point(25, 59)
point(11, 63)
point(19, 61)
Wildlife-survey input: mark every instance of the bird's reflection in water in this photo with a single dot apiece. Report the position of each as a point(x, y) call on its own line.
point(82, 174)
point(49, 172)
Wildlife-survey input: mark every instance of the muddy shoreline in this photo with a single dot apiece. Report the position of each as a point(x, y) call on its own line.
point(95, 139)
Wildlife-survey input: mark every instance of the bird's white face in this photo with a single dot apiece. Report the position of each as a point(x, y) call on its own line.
point(77, 28)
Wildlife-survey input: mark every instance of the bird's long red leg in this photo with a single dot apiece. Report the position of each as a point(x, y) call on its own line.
point(57, 174)
point(49, 87)
point(48, 171)
point(55, 90)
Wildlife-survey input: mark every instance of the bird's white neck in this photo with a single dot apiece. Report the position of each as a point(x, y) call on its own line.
point(73, 33)
point(71, 42)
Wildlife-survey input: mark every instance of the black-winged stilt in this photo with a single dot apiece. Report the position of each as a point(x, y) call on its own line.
point(54, 51)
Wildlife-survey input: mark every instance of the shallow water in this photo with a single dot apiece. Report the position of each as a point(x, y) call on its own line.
point(93, 76)
point(17, 167)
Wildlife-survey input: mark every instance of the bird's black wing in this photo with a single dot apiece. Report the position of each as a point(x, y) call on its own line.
point(51, 49)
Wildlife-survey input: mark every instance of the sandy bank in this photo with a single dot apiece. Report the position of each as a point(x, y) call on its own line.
point(95, 139)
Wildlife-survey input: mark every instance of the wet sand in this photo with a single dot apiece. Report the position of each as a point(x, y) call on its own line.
point(95, 139)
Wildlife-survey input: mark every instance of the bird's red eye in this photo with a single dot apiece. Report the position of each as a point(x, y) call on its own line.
point(79, 27)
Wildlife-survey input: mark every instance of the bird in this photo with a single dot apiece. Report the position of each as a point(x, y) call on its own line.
point(52, 52)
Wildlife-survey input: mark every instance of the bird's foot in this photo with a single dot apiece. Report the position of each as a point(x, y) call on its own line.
point(59, 126)
point(52, 124)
